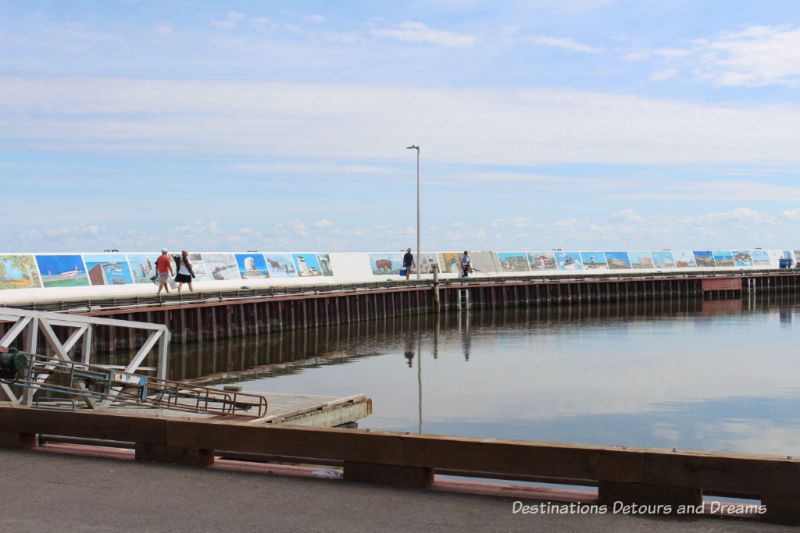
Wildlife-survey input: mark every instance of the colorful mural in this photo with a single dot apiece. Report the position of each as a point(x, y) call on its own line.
point(325, 264)
point(221, 266)
point(513, 261)
point(640, 259)
point(62, 271)
point(704, 258)
point(143, 267)
point(251, 265)
point(198, 266)
point(569, 261)
point(760, 258)
point(280, 266)
point(618, 260)
point(684, 259)
point(742, 258)
point(542, 261)
point(594, 260)
point(307, 265)
point(386, 264)
point(663, 260)
point(19, 272)
point(108, 269)
point(723, 258)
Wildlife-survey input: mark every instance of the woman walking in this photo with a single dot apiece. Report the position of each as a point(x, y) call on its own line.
point(185, 272)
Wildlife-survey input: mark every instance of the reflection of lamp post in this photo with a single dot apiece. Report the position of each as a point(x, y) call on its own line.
point(419, 368)
point(414, 147)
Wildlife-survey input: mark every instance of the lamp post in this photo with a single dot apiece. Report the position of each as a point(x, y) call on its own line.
point(419, 258)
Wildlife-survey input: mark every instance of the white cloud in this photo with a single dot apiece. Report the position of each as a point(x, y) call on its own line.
point(308, 168)
point(564, 43)
point(417, 32)
point(664, 74)
point(337, 121)
point(231, 21)
point(315, 18)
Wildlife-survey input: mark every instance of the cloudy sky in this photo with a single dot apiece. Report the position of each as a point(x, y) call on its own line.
point(587, 124)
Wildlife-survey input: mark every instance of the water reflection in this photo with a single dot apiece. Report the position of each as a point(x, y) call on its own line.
point(682, 373)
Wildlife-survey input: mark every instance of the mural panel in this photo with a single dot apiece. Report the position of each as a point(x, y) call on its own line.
point(723, 258)
point(684, 259)
point(640, 259)
point(108, 269)
point(618, 260)
point(513, 261)
point(280, 266)
point(569, 261)
point(221, 266)
point(482, 262)
point(198, 266)
point(449, 262)
point(386, 264)
point(251, 265)
point(663, 260)
point(307, 265)
point(143, 267)
point(542, 261)
point(760, 258)
point(325, 264)
point(742, 258)
point(19, 272)
point(594, 260)
point(62, 271)
point(704, 258)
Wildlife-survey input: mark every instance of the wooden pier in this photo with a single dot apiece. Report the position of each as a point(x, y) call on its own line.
point(201, 316)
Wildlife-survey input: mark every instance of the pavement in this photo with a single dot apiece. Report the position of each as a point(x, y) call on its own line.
point(89, 490)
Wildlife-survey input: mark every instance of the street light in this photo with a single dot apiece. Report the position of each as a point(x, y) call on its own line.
point(419, 258)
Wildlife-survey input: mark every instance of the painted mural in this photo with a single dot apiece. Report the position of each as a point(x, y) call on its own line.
point(513, 261)
point(449, 262)
point(19, 272)
point(386, 264)
point(618, 260)
point(108, 269)
point(742, 258)
point(482, 262)
point(221, 266)
point(143, 267)
point(704, 258)
point(640, 259)
point(760, 258)
point(62, 271)
point(427, 263)
point(542, 261)
point(723, 258)
point(663, 259)
point(307, 265)
point(569, 260)
point(280, 266)
point(594, 260)
point(325, 264)
point(684, 259)
point(251, 265)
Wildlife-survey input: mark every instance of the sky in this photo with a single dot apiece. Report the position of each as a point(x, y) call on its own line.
point(251, 125)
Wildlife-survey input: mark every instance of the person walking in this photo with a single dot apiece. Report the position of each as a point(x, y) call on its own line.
point(408, 262)
point(185, 271)
point(164, 270)
point(466, 264)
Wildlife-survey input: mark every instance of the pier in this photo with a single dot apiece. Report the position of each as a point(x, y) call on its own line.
point(211, 315)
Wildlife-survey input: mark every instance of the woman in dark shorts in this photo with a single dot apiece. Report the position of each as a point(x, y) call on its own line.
point(185, 272)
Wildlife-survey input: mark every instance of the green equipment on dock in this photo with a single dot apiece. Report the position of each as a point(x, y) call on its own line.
point(13, 363)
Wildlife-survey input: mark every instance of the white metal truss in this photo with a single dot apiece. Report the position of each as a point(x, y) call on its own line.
point(31, 323)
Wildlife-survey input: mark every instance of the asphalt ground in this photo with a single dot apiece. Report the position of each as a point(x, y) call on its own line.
point(47, 491)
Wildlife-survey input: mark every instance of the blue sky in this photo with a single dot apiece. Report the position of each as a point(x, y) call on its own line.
point(589, 124)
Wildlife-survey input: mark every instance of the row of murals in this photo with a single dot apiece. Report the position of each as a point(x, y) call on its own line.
point(492, 262)
point(51, 270)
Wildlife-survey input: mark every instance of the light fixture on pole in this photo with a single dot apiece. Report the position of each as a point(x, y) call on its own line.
point(419, 258)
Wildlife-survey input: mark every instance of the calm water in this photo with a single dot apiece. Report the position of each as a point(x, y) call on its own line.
point(722, 375)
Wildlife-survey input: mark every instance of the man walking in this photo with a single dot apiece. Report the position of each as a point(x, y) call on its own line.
point(164, 269)
point(408, 262)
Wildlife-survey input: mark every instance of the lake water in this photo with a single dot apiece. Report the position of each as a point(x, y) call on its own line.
point(713, 375)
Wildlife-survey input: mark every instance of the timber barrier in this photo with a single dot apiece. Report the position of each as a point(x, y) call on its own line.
point(641, 476)
point(220, 314)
